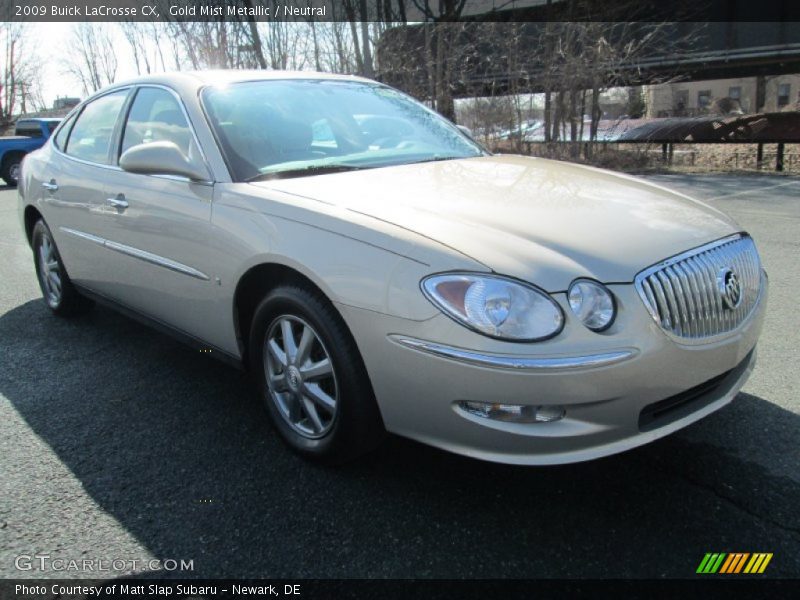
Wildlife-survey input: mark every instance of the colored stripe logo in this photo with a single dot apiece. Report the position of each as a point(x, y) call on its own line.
point(734, 562)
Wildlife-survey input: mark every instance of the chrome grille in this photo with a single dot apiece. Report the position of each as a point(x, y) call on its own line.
point(685, 294)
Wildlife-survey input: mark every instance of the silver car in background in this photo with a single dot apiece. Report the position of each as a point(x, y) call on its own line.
point(377, 270)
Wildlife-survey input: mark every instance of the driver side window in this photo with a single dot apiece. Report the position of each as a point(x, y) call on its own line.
point(155, 115)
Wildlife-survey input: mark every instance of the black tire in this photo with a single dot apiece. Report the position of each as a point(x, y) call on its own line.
point(11, 169)
point(67, 302)
point(356, 426)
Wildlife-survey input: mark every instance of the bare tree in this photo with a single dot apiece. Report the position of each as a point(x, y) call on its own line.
point(20, 84)
point(92, 59)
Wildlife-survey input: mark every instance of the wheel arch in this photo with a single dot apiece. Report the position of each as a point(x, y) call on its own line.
point(256, 282)
point(30, 216)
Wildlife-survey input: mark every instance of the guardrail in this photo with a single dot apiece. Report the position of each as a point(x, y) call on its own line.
point(759, 159)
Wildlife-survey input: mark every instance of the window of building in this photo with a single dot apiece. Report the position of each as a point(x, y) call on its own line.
point(784, 90)
point(703, 98)
point(680, 102)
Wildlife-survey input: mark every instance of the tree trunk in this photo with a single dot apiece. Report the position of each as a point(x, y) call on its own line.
point(256, 39)
point(444, 97)
point(548, 107)
point(368, 70)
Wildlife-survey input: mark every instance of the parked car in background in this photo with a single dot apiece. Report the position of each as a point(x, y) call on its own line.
point(521, 130)
point(29, 135)
point(376, 269)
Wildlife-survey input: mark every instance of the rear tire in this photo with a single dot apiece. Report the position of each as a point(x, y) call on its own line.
point(59, 294)
point(313, 382)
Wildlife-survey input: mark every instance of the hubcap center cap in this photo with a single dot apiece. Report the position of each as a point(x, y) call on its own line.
point(293, 378)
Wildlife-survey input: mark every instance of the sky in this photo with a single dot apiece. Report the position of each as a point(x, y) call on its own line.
point(52, 41)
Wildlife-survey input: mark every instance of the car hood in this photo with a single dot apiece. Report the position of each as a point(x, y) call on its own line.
point(543, 221)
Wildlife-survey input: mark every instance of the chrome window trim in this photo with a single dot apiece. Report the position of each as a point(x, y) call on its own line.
point(515, 363)
point(115, 166)
point(149, 257)
point(66, 121)
point(189, 122)
point(78, 110)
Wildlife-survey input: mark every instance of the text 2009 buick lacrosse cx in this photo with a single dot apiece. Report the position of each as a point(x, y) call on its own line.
point(377, 270)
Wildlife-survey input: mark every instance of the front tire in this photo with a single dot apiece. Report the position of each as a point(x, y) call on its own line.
point(11, 170)
point(59, 294)
point(311, 377)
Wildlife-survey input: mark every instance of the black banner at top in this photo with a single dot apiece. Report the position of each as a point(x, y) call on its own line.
point(402, 11)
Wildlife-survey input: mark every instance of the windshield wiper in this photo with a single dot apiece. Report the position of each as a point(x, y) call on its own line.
point(303, 171)
point(437, 159)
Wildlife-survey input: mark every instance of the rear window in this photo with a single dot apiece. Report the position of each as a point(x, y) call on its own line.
point(61, 137)
point(28, 129)
point(90, 137)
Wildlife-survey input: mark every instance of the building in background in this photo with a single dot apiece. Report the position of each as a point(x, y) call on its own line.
point(723, 96)
point(66, 102)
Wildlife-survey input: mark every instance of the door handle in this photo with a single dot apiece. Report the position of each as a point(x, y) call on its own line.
point(118, 202)
point(50, 186)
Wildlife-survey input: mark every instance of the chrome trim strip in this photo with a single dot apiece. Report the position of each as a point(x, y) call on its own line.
point(154, 259)
point(516, 363)
point(83, 235)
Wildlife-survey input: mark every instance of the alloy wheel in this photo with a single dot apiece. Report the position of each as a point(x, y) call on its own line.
point(13, 172)
point(300, 377)
point(49, 271)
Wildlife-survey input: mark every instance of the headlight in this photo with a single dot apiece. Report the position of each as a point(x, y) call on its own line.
point(592, 303)
point(495, 306)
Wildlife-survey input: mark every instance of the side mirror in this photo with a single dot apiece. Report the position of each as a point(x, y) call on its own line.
point(466, 131)
point(161, 158)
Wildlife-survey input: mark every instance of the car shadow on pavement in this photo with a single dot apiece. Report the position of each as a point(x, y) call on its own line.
point(175, 447)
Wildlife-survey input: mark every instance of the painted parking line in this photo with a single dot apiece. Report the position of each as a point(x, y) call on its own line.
point(754, 191)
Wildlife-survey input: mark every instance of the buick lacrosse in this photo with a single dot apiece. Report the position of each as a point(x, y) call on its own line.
point(376, 269)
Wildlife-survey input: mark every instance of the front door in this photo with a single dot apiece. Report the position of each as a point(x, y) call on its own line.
point(157, 228)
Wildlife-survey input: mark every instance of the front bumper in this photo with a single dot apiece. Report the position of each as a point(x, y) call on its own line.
point(606, 382)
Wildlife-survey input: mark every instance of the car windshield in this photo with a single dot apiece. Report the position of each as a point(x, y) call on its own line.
point(293, 128)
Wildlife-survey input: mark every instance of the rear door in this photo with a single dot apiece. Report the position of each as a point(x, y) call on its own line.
point(73, 187)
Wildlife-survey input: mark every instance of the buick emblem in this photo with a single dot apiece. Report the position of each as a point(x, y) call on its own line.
point(730, 288)
point(293, 378)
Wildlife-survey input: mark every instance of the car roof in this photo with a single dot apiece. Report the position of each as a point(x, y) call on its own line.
point(197, 79)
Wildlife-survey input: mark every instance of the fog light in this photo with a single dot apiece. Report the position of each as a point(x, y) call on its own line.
point(514, 413)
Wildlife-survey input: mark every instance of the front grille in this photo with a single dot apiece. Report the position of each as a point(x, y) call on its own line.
point(685, 294)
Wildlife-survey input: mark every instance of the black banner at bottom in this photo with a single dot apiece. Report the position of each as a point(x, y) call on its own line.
point(161, 589)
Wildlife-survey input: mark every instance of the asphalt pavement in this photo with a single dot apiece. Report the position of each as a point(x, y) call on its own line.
point(117, 442)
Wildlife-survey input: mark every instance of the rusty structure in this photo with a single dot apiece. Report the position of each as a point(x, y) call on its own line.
point(715, 50)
